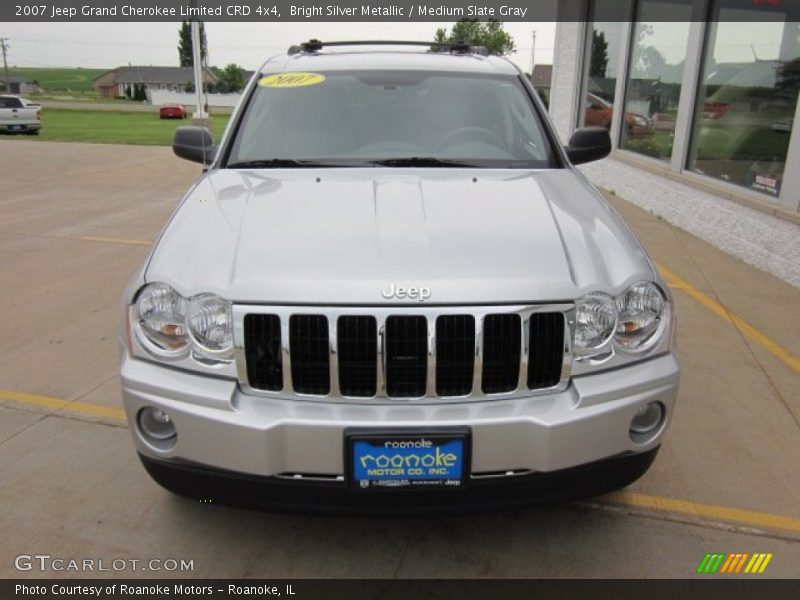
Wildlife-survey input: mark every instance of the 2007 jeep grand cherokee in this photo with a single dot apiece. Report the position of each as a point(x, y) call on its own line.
point(392, 290)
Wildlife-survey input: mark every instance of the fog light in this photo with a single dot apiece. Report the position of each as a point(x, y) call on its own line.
point(156, 424)
point(647, 421)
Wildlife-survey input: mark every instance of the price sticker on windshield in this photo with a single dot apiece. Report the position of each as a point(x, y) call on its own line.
point(291, 80)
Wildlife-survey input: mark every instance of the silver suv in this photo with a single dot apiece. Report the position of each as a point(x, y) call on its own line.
point(392, 290)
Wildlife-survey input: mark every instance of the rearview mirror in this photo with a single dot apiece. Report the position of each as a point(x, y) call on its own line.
point(588, 144)
point(195, 144)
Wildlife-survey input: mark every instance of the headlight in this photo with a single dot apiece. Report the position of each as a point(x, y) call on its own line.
point(161, 320)
point(642, 317)
point(210, 324)
point(595, 322)
point(170, 326)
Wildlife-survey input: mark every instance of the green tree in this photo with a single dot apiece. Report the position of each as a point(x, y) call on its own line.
point(788, 78)
point(139, 92)
point(489, 34)
point(599, 62)
point(185, 44)
point(231, 79)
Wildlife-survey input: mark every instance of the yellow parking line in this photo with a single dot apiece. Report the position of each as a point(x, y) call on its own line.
point(57, 404)
point(623, 498)
point(705, 511)
point(109, 240)
point(779, 352)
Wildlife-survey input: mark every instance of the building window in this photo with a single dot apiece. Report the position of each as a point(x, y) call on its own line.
point(747, 99)
point(658, 51)
point(602, 56)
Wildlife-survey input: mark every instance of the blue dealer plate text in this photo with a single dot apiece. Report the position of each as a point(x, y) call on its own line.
point(408, 462)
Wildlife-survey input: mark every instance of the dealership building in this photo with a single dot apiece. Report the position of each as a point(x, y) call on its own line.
point(701, 100)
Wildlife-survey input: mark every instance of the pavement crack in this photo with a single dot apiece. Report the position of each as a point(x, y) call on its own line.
point(24, 429)
point(732, 320)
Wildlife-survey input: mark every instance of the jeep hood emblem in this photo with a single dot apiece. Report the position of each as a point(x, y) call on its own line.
point(397, 292)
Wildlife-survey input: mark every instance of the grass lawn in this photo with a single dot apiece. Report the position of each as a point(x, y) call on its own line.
point(112, 127)
point(60, 80)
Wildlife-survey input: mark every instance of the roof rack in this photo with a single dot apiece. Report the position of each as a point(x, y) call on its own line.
point(457, 47)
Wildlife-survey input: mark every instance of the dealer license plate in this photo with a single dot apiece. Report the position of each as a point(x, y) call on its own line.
point(399, 459)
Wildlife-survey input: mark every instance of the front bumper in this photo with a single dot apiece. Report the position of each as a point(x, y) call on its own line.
point(227, 487)
point(219, 427)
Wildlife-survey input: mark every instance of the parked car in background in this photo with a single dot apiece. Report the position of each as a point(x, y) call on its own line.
point(784, 125)
point(18, 116)
point(173, 111)
point(599, 113)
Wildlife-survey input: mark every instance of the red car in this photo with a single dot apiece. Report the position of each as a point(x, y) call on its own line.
point(599, 113)
point(172, 111)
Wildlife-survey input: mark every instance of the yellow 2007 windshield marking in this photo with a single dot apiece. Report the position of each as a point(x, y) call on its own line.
point(291, 80)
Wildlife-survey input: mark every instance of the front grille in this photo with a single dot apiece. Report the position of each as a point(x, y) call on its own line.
point(370, 353)
point(502, 343)
point(358, 355)
point(310, 351)
point(406, 347)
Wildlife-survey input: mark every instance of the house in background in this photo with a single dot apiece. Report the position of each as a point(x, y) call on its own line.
point(19, 85)
point(175, 79)
point(541, 79)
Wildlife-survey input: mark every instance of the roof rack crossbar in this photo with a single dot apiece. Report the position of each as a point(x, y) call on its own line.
point(317, 45)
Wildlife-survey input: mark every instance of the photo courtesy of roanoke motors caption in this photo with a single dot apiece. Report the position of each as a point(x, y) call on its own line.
point(443, 334)
point(134, 590)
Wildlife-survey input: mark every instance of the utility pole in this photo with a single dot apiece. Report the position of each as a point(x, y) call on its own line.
point(198, 70)
point(533, 53)
point(5, 46)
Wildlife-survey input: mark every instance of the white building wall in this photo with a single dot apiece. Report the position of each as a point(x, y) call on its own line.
point(565, 85)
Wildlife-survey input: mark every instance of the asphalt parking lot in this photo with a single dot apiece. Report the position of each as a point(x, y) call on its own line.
point(77, 220)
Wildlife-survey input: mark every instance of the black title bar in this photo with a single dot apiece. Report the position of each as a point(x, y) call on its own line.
point(705, 587)
point(271, 11)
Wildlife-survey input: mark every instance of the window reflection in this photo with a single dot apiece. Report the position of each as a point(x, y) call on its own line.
point(658, 53)
point(600, 77)
point(747, 100)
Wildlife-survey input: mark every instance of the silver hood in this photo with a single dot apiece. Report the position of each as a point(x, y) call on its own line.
point(341, 236)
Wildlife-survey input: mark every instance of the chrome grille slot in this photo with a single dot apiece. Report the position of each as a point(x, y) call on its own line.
point(502, 345)
point(263, 342)
point(455, 354)
point(406, 356)
point(310, 354)
point(546, 343)
point(358, 354)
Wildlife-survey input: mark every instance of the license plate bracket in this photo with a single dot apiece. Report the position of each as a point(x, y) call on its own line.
point(407, 458)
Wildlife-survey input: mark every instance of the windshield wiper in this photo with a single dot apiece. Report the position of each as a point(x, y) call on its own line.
point(283, 163)
point(423, 161)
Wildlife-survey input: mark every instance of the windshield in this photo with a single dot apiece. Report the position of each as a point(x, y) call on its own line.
point(390, 118)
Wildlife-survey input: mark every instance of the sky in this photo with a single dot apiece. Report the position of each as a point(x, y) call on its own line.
point(108, 45)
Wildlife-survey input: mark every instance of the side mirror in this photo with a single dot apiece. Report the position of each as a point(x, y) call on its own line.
point(195, 144)
point(588, 144)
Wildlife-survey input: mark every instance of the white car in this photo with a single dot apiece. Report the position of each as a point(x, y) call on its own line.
point(392, 290)
point(16, 115)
